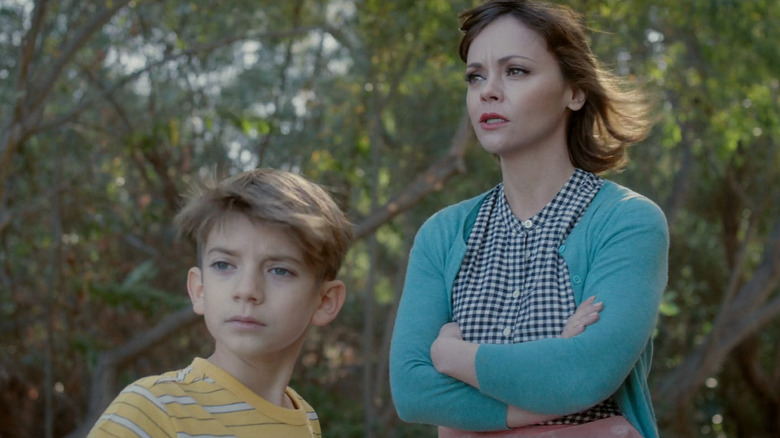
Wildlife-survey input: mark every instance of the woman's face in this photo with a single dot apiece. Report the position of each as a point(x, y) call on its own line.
point(517, 98)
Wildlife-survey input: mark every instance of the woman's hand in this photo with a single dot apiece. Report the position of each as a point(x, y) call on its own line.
point(586, 314)
point(451, 330)
point(442, 347)
point(453, 356)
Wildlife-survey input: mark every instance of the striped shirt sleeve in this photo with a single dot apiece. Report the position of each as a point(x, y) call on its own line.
point(136, 411)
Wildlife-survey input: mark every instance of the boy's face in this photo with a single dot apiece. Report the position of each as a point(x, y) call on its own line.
point(257, 295)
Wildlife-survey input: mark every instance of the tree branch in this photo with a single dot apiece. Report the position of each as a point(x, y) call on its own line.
point(44, 86)
point(102, 389)
point(13, 131)
point(27, 56)
point(204, 48)
point(430, 181)
point(748, 312)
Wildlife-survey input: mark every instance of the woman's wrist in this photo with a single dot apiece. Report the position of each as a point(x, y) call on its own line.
point(455, 358)
point(516, 417)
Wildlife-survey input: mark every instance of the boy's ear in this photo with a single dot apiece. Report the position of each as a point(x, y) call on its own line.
point(332, 293)
point(195, 289)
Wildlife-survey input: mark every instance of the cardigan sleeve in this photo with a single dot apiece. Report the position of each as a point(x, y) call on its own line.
point(620, 256)
point(420, 393)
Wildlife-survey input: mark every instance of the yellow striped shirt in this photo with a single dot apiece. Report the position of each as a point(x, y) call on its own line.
point(202, 401)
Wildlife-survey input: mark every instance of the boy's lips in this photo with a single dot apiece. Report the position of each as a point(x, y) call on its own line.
point(245, 321)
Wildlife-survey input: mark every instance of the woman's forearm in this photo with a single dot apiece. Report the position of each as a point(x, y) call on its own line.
point(516, 417)
point(455, 358)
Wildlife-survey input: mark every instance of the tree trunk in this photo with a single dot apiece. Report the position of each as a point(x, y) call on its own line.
point(743, 315)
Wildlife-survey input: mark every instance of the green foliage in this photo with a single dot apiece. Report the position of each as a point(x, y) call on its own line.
point(135, 292)
point(360, 96)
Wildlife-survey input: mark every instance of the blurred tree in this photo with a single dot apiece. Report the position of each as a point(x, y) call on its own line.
point(110, 109)
point(716, 64)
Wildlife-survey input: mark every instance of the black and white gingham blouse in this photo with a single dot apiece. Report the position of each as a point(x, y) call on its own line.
point(513, 286)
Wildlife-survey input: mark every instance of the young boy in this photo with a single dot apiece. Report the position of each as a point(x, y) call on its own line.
point(269, 246)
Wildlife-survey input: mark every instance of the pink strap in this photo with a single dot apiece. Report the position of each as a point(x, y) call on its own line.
point(612, 427)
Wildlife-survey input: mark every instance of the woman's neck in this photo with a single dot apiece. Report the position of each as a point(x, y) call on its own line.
point(530, 184)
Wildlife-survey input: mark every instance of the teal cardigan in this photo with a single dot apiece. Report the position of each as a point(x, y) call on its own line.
point(617, 252)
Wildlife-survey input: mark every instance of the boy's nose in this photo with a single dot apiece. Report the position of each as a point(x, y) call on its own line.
point(249, 287)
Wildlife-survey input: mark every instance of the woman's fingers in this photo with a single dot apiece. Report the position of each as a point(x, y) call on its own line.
point(586, 314)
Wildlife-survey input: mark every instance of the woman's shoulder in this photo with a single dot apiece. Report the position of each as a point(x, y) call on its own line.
point(617, 208)
point(446, 223)
point(454, 214)
point(616, 200)
point(619, 211)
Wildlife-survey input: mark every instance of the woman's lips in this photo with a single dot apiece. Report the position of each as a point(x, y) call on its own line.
point(492, 121)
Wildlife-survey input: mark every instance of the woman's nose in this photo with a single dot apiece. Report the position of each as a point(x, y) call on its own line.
point(492, 89)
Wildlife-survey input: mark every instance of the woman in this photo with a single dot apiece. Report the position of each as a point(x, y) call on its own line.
point(492, 280)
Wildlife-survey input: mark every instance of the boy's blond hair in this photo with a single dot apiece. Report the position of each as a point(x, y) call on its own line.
point(273, 197)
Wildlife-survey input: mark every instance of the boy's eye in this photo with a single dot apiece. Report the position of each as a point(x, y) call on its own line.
point(221, 266)
point(282, 272)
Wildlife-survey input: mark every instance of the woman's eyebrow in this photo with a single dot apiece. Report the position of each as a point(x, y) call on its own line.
point(501, 61)
point(506, 59)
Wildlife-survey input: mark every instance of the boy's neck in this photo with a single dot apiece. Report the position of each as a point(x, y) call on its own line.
point(266, 378)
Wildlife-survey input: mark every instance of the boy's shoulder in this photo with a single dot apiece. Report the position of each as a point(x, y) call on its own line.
point(167, 380)
point(155, 390)
point(158, 405)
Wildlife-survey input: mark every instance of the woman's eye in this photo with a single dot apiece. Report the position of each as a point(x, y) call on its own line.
point(516, 71)
point(472, 78)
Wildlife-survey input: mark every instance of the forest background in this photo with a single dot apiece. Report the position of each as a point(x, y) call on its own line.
point(110, 109)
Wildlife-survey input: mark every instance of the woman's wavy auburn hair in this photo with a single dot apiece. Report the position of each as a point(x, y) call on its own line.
point(613, 117)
